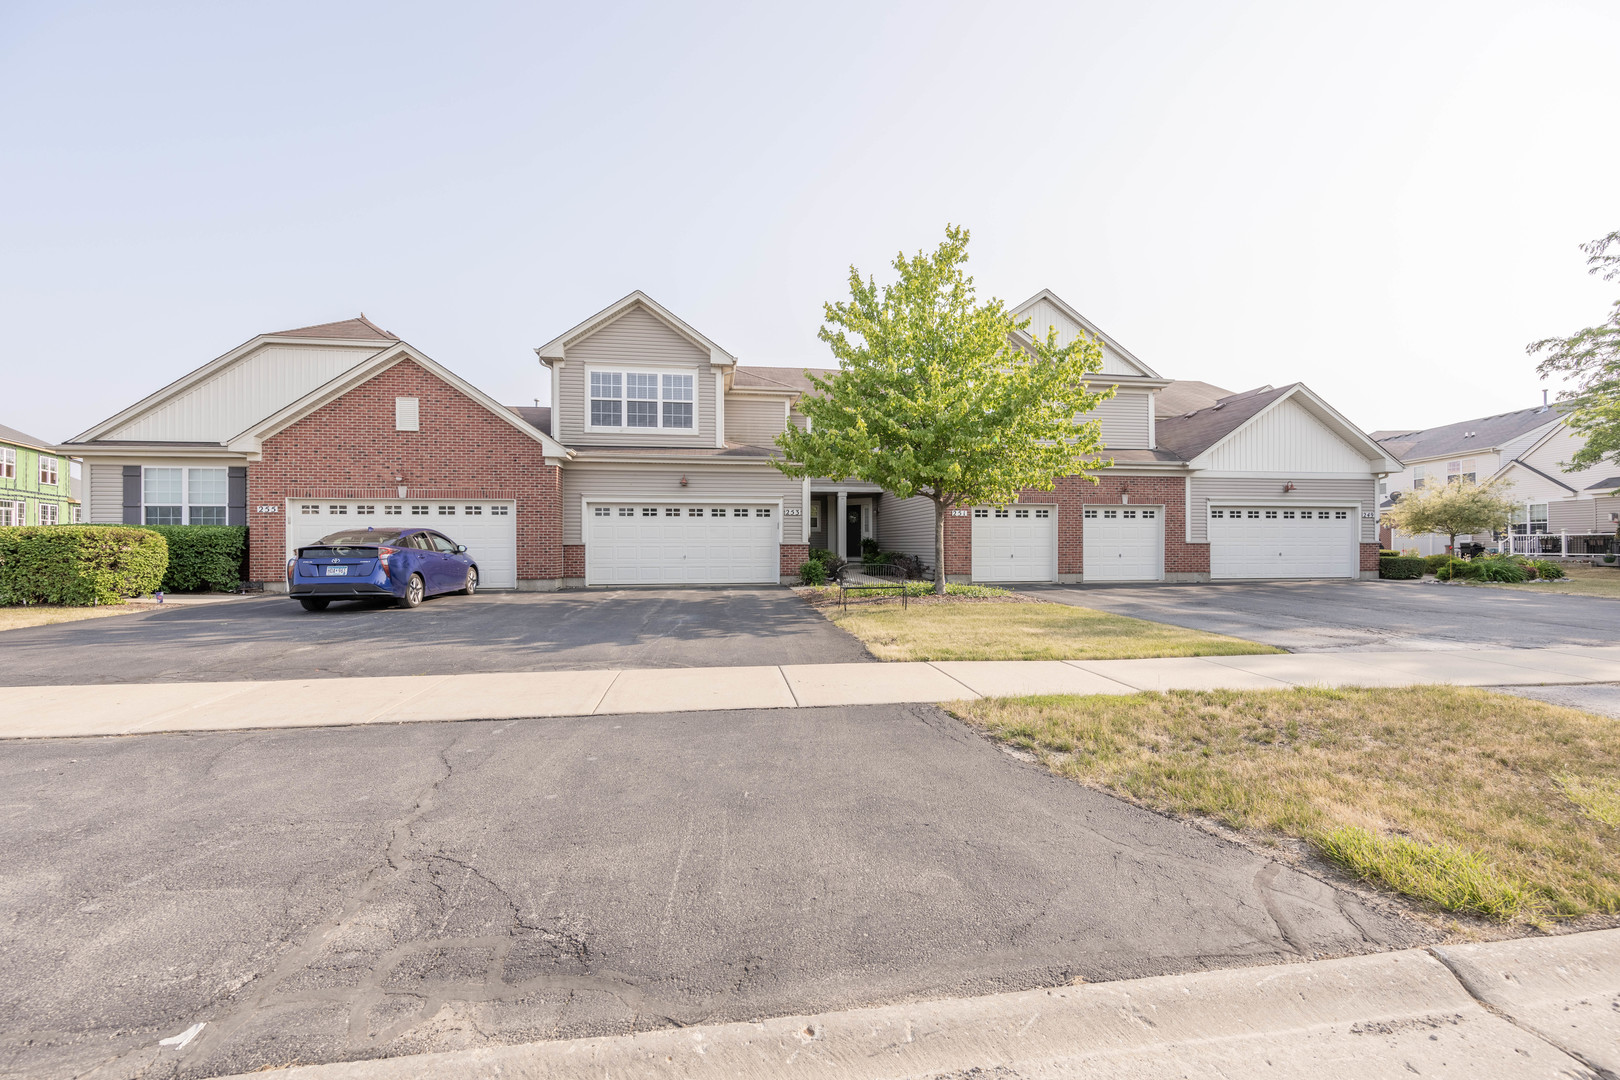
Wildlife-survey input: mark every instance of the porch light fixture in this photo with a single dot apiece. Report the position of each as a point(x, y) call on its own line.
point(683, 481)
point(1288, 487)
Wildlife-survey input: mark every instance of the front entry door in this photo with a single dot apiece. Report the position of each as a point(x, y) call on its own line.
point(852, 532)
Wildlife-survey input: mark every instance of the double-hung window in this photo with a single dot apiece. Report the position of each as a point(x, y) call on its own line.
point(1460, 470)
point(47, 470)
point(642, 400)
point(8, 463)
point(174, 496)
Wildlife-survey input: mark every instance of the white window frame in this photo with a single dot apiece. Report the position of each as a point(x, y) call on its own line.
point(17, 507)
point(55, 513)
point(56, 472)
point(624, 425)
point(185, 492)
point(8, 463)
point(815, 515)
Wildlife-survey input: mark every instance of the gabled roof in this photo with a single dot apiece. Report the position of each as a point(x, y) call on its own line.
point(1520, 463)
point(360, 329)
point(1086, 324)
point(537, 415)
point(18, 438)
point(1181, 396)
point(791, 379)
point(1605, 484)
point(1195, 434)
point(1466, 436)
point(554, 349)
point(253, 438)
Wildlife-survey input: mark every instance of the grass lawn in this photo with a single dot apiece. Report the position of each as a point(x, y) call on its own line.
point(1582, 581)
point(1478, 803)
point(14, 618)
point(992, 624)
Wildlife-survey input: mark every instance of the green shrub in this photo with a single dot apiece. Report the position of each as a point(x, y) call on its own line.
point(1457, 570)
point(1385, 553)
point(79, 565)
point(203, 556)
point(1433, 563)
point(1501, 568)
point(812, 572)
point(1400, 568)
point(1546, 569)
point(869, 550)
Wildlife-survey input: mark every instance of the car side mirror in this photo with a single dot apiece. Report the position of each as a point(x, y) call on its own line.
point(461, 549)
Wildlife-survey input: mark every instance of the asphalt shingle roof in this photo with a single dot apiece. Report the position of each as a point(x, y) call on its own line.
point(536, 416)
point(754, 377)
point(1186, 395)
point(360, 329)
point(1466, 435)
point(12, 435)
point(1192, 433)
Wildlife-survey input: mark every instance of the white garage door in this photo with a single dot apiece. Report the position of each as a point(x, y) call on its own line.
point(1014, 543)
point(1273, 542)
point(661, 544)
point(487, 526)
point(1122, 543)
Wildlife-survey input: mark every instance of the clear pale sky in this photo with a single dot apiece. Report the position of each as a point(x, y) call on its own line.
point(1382, 200)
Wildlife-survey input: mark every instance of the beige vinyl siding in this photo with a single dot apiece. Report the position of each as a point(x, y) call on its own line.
point(1286, 437)
point(1562, 445)
point(661, 482)
point(798, 420)
point(251, 388)
point(1124, 419)
point(1571, 515)
point(906, 525)
point(1525, 485)
point(754, 421)
point(105, 506)
point(1265, 491)
point(637, 339)
point(1601, 509)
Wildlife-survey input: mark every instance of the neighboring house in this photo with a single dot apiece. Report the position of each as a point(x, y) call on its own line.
point(299, 433)
point(35, 482)
point(1527, 450)
point(654, 465)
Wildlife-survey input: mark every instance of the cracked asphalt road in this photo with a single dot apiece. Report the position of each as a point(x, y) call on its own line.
point(324, 894)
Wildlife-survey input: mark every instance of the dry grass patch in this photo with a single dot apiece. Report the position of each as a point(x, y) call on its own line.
point(1582, 581)
point(15, 618)
point(1020, 628)
point(1476, 802)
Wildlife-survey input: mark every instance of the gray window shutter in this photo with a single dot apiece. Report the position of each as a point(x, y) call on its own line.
point(236, 512)
point(132, 494)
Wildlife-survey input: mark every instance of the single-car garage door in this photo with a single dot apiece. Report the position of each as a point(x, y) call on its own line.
point(1277, 542)
point(1122, 543)
point(1014, 543)
point(717, 543)
point(488, 527)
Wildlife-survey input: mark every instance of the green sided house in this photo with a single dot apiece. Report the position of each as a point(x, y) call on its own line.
point(36, 487)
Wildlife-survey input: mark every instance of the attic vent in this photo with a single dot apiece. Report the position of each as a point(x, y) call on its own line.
point(407, 414)
point(1216, 406)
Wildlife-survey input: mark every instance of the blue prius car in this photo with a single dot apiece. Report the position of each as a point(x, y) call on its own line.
point(406, 564)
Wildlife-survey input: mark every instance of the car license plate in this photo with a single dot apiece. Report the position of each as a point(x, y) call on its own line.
point(337, 571)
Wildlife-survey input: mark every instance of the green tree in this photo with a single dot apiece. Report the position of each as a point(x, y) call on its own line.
point(936, 397)
point(1458, 507)
point(1591, 359)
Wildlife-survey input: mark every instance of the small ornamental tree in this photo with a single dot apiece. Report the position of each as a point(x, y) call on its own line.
point(1458, 507)
point(1591, 359)
point(934, 397)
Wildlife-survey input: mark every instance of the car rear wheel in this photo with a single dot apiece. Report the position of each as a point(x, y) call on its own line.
point(414, 591)
point(313, 603)
point(472, 582)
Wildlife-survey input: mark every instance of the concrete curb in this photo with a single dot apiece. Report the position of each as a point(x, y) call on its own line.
point(1368, 1016)
point(142, 708)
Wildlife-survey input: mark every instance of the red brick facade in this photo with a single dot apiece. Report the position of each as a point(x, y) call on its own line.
point(793, 557)
point(574, 561)
point(1369, 556)
point(349, 449)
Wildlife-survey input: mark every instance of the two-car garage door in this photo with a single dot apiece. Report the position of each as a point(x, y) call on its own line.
point(488, 527)
point(716, 543)
point(1277, 542)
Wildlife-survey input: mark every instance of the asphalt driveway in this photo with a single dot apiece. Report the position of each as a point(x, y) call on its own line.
point(1314, 616)
point(317, 895)
point(272, 637)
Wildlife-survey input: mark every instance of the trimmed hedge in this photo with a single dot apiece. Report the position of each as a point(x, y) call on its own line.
point(1400, 567)
point(203, 556)
point(1433, 563)
point(79, 565)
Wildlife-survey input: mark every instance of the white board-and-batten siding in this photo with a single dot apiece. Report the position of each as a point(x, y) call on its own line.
point(636, 339)
point(1286, 438)
point(228, 402)
point(654, 482)
point(754, 421)
point(1355, 493)
point(1043, 315)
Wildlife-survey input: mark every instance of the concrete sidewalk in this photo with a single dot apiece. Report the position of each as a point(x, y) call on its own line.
point(136, 708)
point(1539, 1007)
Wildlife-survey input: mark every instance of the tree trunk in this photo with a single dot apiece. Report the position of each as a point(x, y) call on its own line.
point(939, 547)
